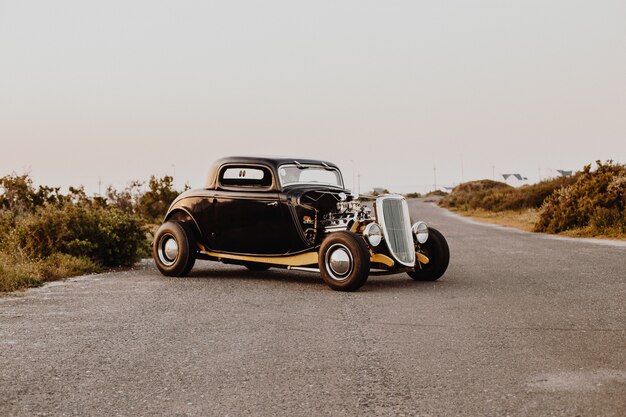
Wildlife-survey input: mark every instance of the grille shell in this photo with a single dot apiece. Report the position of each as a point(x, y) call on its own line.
point(392, 213)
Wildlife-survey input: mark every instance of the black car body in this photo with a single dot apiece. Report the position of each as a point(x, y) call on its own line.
point(295, 214)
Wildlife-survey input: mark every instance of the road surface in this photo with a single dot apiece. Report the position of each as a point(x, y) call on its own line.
point(520, 325)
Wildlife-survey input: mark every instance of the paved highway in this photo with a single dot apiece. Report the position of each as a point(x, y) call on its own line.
point(520, 325)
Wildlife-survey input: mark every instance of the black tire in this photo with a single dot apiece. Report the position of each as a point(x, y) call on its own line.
point(438, 253)
point(256, 267)
point(180, 264)
point(352, 261)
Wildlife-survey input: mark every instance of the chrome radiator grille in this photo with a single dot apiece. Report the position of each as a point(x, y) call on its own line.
point(392, 213)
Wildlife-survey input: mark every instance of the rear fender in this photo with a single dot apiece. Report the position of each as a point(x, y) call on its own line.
point(181, 214)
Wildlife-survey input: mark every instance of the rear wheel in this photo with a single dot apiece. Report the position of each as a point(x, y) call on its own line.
point(174, 250)
point(437, 251)
point(344, 261)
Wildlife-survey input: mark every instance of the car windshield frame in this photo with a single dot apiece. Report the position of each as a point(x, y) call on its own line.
point(303, 167)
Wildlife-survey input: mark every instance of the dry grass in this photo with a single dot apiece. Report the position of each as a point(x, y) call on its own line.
point(526, 220)
point(590, 231)
point(523, 219)
point(17, 272)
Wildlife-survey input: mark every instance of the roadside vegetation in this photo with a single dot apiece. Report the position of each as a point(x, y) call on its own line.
point(435, 193)
point(47, 235)
point(590, 203)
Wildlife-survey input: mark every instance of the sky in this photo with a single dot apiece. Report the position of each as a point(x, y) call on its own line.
point(395, 92)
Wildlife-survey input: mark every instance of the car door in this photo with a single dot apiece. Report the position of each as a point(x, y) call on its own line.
point(248, 215)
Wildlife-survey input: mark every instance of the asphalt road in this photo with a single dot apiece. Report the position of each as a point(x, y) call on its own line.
point(520, 325)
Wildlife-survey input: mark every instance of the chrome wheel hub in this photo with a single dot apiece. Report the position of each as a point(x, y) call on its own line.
point(339, 262)
point(168, 250)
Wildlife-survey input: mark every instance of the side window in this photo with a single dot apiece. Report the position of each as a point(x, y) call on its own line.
point(243, 176)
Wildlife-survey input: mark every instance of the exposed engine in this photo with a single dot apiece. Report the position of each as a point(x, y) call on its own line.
point(329, 211)
point(346, 214)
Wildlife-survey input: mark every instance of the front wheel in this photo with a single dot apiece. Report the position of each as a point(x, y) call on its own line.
point(344, 261)
point(174, 250)
point(438, 253)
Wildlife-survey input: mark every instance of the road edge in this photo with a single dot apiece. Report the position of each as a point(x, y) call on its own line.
point(593, 240)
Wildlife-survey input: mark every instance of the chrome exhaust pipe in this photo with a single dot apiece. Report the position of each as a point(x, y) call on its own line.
point(303, 268)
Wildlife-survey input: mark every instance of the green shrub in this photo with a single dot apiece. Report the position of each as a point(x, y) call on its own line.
point(18, 195)
point(6, 224)
point(126, 200)
point(436, 193)
point(497, 196)
point(474, 194)
point(153, 204)
point(597, 200)
point(105, 235)
point(533, 196)
point(47, 235)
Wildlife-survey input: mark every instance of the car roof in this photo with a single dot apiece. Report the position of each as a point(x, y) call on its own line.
point(272, 162)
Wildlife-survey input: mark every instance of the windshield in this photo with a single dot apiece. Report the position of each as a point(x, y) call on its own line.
point(309, 174)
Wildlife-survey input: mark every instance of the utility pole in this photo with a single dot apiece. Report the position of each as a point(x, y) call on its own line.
point(358, 190)
point(434, 178)
point(99, 186)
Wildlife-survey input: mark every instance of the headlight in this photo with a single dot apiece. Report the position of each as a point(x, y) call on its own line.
point(420, 230)
point(373, 234)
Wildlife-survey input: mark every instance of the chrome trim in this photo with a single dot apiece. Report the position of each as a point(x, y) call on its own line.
point(420, 230)
point(303, 268)
point(171, 248)
point(339, 262)
point(372, 238)
point(167, 249)
point(333, 229)
point(300, 166)
point(407, 234)
point(219, 186)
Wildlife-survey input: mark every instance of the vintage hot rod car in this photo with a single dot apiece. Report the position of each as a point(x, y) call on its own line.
point(295, 214)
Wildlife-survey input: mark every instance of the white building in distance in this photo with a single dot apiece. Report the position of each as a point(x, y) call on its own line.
point(515, 180)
